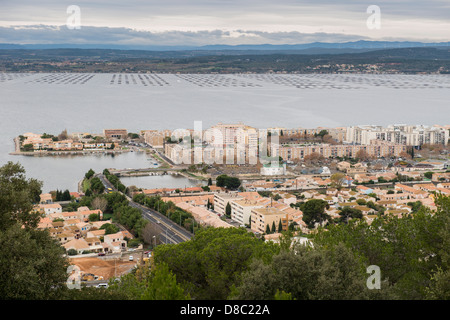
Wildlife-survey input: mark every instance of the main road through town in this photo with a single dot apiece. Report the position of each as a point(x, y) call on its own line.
point(170, 231)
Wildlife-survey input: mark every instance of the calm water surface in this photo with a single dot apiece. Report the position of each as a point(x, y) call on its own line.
point(93, 102)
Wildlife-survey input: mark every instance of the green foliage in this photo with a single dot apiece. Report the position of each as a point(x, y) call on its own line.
point(18, 195)
point(411, 251)
point(28, 147)
point(314, 212)
point(72, 252)
point(115, 181)
point(304, 273)
point(428, 174)
point(89, 174)
point(110, 228)
point(212, 262)
point(131, 218)
point(348, 213)
point(97, 186)
point(228, 210)
point(231, 183)
point(32, 265)
point(62, 196)
point(93, 217)
point(158, 283)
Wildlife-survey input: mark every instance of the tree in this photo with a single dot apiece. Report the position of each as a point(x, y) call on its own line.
point(228, 210)
point(89, 174)
point(32, 265)
point(99, 203)
point(305, 274)
point(63, 135)
point(28, 147)
point(156, 283)
point(110, 228)
point(211, 263)
point(273, 230)
point(362, 155)
point(337, 180)
point(93, 217)
point(97, 186)
point(314, 212)
point(18, 195)
point(348, 213)
point(280, 226)
point(66, 195)
point(428, 174)
point(231, 183)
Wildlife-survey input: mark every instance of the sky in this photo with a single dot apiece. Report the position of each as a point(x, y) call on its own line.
point(232, 22)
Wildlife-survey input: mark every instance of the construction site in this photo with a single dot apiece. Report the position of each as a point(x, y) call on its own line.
point(93, 268)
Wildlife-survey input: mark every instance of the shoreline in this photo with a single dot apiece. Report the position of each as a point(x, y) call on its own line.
point(62, 153)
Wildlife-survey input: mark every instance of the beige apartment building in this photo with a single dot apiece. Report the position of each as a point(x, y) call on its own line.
point(377, 149)
point(222, 199)
point(154, 138)
point(263, 217)
point(115, 133)
point(241, 210)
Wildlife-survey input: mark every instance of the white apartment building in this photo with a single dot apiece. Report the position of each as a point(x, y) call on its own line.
point(410, 135)
point(221, 200)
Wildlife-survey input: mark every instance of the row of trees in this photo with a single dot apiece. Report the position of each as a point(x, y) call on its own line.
point(169, 209)
point(62, 195)
point(115, 181)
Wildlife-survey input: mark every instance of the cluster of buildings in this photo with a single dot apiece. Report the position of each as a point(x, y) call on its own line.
point(376, 149)
point(78, 142)
point(241, 144)
point(408, 135)
point(260, 214)
point(75, 231)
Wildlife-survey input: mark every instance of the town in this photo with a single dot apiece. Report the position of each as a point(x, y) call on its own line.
point(321, 176)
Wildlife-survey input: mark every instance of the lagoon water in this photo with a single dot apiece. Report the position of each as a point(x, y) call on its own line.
point(92, 102)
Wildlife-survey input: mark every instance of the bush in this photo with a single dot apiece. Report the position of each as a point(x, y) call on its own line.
point(72, 252)
point(133, 243)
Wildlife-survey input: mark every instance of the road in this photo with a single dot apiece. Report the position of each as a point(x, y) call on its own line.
point(170, 231)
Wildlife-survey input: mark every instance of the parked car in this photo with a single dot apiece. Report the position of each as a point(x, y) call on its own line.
point(102, 285)
point(100, 254)
point(130, 258)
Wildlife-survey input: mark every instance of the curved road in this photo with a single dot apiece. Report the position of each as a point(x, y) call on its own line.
point(170, 231)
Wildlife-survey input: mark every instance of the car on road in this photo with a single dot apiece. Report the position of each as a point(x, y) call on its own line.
point(102, 285)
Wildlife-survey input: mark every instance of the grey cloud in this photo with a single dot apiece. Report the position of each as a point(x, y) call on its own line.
point(40, 34)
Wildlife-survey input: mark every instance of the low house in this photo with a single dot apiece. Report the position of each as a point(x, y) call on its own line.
point(46, 198)
point(80, 245)
point(50, 208)
point(114, 242)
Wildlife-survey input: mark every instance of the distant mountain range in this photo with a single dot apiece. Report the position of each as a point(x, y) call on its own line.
point(308, 48)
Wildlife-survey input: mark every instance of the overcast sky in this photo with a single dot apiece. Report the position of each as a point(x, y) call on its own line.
point(200, 22)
